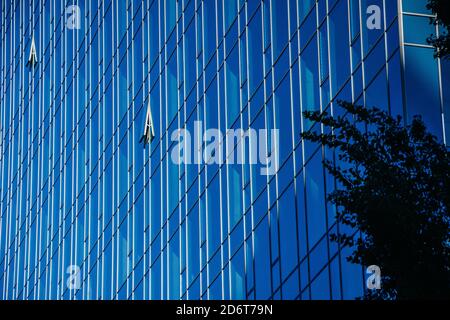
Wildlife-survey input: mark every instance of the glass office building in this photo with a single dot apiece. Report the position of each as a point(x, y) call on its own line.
point(89, 212)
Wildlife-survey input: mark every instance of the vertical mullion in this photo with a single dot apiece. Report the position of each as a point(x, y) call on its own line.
point(21, 128)
point(130, 142)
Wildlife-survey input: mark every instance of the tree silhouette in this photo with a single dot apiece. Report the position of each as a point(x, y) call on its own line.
point(393, 185)
point(441, 8)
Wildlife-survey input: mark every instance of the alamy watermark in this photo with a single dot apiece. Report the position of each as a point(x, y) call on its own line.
point(374, 17)
point(73, 17)
point(74, 277)
point(374, 278)
point(214, 147)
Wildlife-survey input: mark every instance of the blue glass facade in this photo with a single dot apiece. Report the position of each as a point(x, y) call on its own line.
point(79, 192)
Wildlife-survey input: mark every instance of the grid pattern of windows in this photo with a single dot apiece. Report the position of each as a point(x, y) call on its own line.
point(425, 77)
point(78, 191)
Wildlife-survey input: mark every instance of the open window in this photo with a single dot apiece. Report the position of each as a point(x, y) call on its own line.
point(149, 130)
point(32, 59)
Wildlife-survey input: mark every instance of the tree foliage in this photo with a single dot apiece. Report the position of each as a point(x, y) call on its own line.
point(441, 8)
point(393, 185)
